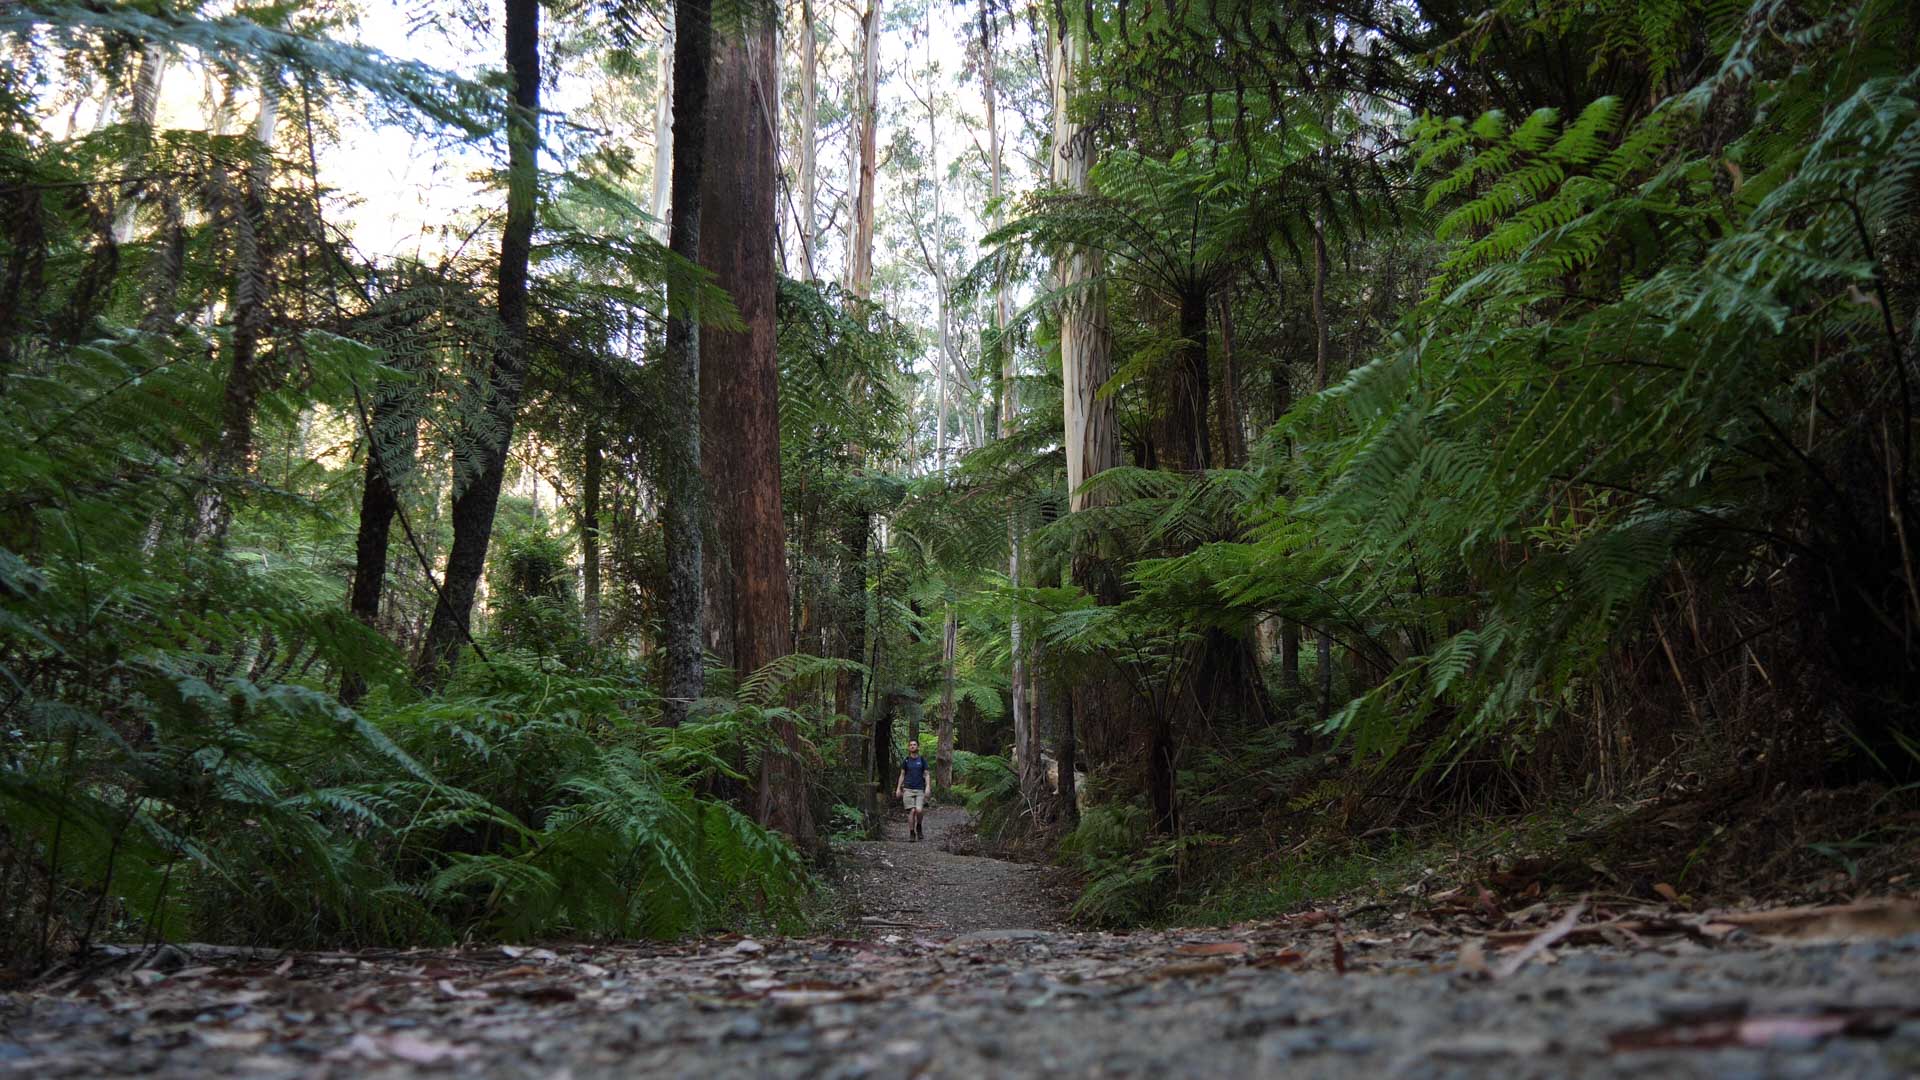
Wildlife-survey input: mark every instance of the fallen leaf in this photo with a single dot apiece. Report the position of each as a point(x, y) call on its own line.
point(1188, 969)
point(1213, 948)
point(221, 1039)
point(1667, 892)
point(515, 972)
point(748, 945)
point(1473, 960)
point(445, 986)
point(1283, 958)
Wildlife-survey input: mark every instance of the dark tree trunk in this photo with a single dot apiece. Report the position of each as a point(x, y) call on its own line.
point(740, 401)
point(1160, 774)
point(1289, 654)
point(476, 503)
point(591, 481)
point(393, 438)
point(1233, 439)
point(882, 749)
point(1289, 629)
point(1324, 707)
point(680, 492)
point(1105, 707)
point(852, 603)
point(1186, 443)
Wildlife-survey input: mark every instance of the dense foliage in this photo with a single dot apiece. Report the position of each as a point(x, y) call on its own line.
point(1462, 430)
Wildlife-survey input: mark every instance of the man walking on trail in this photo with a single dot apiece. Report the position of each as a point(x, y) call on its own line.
point(912, 787)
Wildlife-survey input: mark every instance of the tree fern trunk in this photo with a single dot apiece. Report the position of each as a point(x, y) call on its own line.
point(475, 504)
point(1185, 440)
point(1233, 439)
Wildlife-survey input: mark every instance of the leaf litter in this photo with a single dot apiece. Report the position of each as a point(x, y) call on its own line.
point(1451, 979)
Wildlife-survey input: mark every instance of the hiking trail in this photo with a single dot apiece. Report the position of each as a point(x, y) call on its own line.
point(898, 884)
point(959, 966)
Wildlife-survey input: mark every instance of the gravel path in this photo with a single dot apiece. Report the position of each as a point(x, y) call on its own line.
point(905, 885)
point(960, 970)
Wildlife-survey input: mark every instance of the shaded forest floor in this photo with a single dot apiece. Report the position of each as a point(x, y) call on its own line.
point(952, 965)
point(897, 885)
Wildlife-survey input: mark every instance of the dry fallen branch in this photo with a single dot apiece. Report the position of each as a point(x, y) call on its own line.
point(1542, 942)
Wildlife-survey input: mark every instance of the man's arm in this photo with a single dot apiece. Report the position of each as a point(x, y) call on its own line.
point(900, 785)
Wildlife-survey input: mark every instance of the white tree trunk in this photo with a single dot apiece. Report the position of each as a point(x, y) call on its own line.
point(1025, 746)
point(809, 140)
point(860, 227)
point(663, 142)
point(1086, 363)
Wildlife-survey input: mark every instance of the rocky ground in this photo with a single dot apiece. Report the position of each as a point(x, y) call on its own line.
point(959, 966)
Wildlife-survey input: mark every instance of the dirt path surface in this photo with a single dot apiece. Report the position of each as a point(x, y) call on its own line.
point(923, 886)
point(981, 981)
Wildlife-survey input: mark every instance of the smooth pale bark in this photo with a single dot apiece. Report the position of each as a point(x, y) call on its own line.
point(663, 143)
point(1026, 748)
point(809, 139)
point(1104, 710)
point(475, 504)
point(740, 401)
point(937, 265)
point(681, 494)
point(1092, 441)
point(866, 127)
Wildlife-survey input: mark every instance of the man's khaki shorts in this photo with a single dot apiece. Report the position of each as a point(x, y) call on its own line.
point(915, 798)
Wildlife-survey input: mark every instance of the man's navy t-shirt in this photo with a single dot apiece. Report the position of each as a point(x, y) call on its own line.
point(916, 770)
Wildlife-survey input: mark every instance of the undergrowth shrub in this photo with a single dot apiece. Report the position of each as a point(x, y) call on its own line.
point(174, 763)
point(991, 789)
